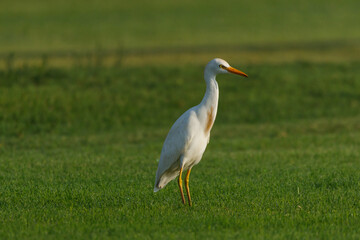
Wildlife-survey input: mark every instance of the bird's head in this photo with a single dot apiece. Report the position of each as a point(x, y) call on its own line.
point(218, 65)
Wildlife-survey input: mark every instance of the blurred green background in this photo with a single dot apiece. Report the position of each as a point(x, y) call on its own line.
point(174, 27)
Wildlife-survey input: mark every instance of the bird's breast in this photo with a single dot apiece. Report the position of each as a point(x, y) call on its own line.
point(194, 152)
point(209, 120)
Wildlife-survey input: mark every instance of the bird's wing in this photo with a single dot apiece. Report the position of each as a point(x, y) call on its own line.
point(177, 141)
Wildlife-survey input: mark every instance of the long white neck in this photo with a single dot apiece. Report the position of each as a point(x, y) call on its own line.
point(211, 97)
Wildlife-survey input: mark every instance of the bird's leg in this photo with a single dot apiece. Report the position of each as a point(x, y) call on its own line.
point(187, 185)
point(180, 186)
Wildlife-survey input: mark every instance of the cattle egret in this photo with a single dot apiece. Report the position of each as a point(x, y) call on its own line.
point(188, 137)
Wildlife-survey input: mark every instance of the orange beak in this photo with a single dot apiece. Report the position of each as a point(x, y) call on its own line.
point(235, 71)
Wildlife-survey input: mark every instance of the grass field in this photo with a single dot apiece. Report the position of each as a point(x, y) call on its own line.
point(79, 151)
point(89, 90)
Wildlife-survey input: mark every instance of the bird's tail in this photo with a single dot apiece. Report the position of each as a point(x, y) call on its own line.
point(156, 189)
point(162, 180)
point(157, 180)
point(157, 186)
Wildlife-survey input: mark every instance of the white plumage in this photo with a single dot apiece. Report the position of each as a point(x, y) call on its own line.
point(188, 137)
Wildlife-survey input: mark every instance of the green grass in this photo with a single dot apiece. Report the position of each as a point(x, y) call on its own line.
point(89, 90)
point(79, 150)
point(78, 100)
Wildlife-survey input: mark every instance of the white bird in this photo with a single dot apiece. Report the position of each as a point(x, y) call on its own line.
point(188, 137)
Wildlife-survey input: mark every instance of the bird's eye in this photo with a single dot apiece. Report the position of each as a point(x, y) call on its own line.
point(222, 66)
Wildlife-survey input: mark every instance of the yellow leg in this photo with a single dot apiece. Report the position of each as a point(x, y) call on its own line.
point(187, 185)
point(180, 186)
